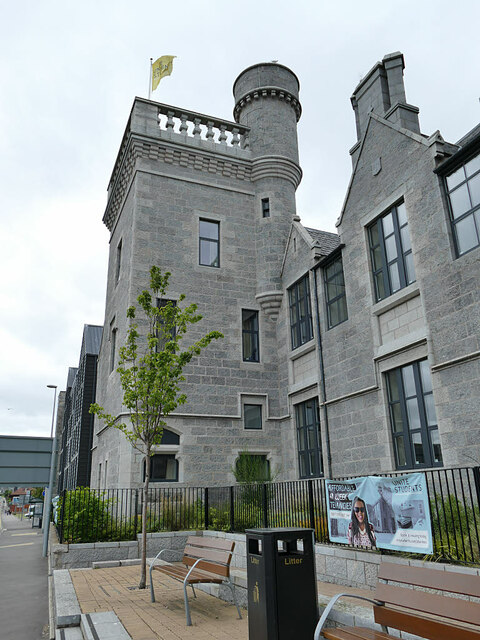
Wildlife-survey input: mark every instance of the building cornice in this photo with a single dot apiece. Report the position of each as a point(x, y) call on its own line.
point(276, 167)
point(169, 152)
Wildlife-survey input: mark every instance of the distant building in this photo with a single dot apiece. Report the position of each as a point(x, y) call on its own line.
point(343, 354)
point(76, 439)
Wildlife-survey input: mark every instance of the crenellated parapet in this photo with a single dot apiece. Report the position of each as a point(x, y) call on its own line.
point(274, 93)
point(178, 137)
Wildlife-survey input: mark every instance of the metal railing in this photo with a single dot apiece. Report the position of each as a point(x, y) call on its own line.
point(89, 515)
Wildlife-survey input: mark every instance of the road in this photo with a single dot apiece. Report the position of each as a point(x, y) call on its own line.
point(23, 580)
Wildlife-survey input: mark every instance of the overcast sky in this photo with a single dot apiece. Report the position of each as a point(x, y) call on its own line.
point(70, 71)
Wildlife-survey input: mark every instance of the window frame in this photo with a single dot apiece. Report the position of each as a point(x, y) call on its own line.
point(264, 456)
point(297, 321)
point(257, 406)
point(118, 263)
point(333, 301)
point(163, 455)
point(205, 239)
point(406, 432)
point(253, 333)
point(307, 453)
point(113, 345)
point(473, 212)
point(401, 258)
point(265, 207)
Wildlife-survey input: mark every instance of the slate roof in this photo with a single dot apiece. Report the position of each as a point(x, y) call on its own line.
point(470, 136)
point(325, 240)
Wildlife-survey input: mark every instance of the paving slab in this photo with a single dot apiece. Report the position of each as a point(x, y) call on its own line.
point(116, 589)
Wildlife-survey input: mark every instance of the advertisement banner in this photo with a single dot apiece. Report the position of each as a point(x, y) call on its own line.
point(387, 513)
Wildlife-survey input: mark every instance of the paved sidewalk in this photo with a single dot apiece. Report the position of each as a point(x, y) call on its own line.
point(108, 590)
point(23, 580)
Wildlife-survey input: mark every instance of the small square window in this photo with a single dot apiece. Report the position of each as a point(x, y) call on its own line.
point(252, 416)
point(252, 467)
point(163, 468)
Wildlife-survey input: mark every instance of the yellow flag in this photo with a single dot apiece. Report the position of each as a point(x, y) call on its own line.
point(161, 68)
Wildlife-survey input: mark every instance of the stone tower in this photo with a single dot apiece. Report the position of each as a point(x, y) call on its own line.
point(212, 201)
point(266, 101)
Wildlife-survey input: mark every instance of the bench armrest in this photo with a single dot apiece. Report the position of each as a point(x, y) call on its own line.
point(329, 607)
point(157, 557)
point(193, 567)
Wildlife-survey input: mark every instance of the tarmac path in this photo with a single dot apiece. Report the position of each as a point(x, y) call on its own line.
point(23, 580)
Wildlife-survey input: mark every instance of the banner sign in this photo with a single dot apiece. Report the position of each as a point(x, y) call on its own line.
point(387, 513)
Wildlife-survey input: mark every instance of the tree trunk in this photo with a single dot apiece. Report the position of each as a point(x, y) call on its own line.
point(143, 577)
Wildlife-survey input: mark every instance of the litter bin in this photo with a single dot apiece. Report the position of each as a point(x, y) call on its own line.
point(282, 586)
point(37, 515)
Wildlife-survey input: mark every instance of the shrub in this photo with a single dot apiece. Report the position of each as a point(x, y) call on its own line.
point(85, 515)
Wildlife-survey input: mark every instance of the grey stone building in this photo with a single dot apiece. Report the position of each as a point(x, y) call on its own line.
point(75, 450)
point(343, 354)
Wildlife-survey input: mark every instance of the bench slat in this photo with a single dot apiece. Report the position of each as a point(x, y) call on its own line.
point(210, 567)
point(213, 555)
point(179, 573)
point(214, 543)
point(421, 626)
point(431, 578)
point(453, 608)
point(354, 633)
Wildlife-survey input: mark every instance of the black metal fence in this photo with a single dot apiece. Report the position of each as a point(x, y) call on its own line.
point(89, 515)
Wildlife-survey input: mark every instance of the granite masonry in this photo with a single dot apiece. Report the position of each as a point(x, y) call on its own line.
point(344, 354)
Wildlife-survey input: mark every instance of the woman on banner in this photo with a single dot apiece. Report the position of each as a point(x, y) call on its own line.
point(360, 531)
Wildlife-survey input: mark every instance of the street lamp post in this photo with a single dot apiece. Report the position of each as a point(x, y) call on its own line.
point(48, 501)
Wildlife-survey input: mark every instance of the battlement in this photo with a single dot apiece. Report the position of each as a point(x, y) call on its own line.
point(175, 135)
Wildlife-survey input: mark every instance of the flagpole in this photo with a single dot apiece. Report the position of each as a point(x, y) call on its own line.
point(150, 80)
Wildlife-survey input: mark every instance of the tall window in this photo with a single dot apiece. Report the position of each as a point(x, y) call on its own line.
point(209, 243)
point(309, 442)
point(250, 346)
point(162, 336)
point(391, 253)
point(335, 292)
point(265, 207)
point(301, 328)
point(412, 417)
point(163, 468)
point(118, 262)
point(463, 187)
point(113, 344)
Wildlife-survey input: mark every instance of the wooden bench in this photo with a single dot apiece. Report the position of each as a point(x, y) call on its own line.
point(435, 616)
point(205, 560)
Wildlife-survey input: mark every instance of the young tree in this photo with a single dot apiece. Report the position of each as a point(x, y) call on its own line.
point(151, 369)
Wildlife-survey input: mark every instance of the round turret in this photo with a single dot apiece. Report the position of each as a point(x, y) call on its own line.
point(266, 100)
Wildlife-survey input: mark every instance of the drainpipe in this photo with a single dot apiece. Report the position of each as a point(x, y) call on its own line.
point(322, 379)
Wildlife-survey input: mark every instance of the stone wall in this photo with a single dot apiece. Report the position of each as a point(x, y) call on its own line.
point(334, 564)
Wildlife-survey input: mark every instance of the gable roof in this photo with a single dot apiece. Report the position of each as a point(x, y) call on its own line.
point(417, 137)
